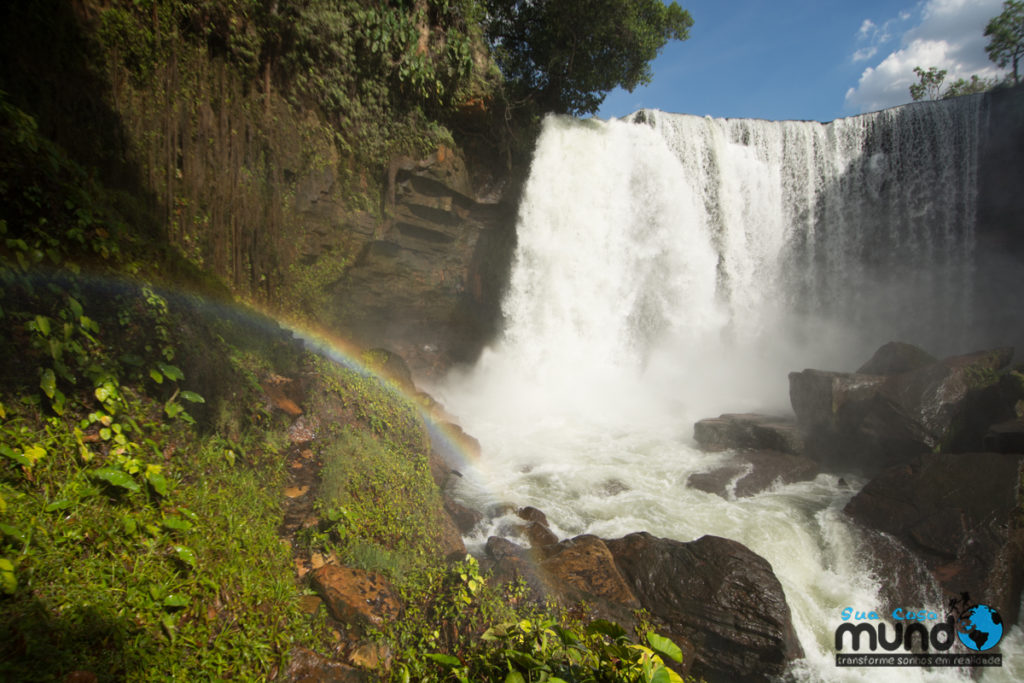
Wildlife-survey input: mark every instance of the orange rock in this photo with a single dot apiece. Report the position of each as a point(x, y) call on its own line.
point(356, 596)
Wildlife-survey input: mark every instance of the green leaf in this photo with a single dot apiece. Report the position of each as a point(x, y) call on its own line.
point(444, 660)
point(664, 647)
point(43, 325)
point(185, 554)
point(171, 372)
point(14, 533)
point(156, 376)
point(59, 401)
point(175, 523)
point(48, 382)
point(76, 308)
point(173, 409)
point(192, 397)
point(524, 660)
point(58, 505)
point(35, 453)
point(116, 477)
point(515, 677)
point(176, 601)
point(102, 393)
point(666, 675)
point(7, 451)
point(188, 513)
point(158, 482)
point(8, 580)
point(606, 628)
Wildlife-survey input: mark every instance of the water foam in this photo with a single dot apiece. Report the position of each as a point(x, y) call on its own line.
point(675, 267)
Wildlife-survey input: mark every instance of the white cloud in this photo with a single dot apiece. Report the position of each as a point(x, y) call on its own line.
point(949, 35)
point(865, 53)
point(867, 29)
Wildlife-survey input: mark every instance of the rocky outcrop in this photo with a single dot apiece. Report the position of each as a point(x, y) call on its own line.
point(716, 594)
point(855, 421)
point(896, 357)
point(719, 601)
point(355, 596)
point(427, 281)
point(748, 473)
point(748, 430)
point(958, 513)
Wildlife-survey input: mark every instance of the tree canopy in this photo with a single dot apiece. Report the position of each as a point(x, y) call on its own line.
point(1006, 33)
point(565, 56)
point(929, 85)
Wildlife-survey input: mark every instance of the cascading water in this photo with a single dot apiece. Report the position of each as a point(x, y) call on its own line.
point(670, 268)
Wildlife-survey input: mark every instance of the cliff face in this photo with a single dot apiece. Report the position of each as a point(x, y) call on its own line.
point(360, 216)
point(1000, 219)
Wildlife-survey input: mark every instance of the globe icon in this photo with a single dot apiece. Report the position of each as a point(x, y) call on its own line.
point(980, 629)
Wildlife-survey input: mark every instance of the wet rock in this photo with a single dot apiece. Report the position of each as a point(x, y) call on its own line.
point(498, 548)
point(450, 545)
point(283, 393)
point(427, 279)
point(307, 666)
point(748, 430)
point(960, 514)
point(355, 596)
point(390, 366)
point(466, 443)
point(896, 357)
point(754, 472)
point(532, 514)
point(582, 569)
point(716, 594)
point(538, 535)
point(1005, 437)
point(868, 422)
point(465, 518)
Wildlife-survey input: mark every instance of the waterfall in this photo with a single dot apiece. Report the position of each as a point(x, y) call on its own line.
point(668, 227)
point(670, 268)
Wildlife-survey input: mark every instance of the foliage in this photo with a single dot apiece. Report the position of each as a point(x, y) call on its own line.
point(1006, 36)
point(461, 626)
point(929, 85)
point(566, 55)
point(964, 87)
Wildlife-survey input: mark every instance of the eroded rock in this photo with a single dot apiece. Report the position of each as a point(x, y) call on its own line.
point(356, 596)
point(718, 595)
point(749, 430)
point(960, 514)
point(754, 472)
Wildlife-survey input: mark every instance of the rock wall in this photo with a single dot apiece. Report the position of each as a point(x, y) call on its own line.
point(1000, 219)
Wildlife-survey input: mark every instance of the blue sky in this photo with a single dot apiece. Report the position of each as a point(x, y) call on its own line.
point(810, 59)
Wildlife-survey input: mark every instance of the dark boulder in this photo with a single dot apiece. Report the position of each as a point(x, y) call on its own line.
point(465, 518)
point(1005, 437)
point(754, 472)
point(748, 430)
point(716, 594)
point(896, 357)
point(960, 514)
point(864, 422)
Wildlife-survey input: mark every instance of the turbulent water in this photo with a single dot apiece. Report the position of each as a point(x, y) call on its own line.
point(670, 268)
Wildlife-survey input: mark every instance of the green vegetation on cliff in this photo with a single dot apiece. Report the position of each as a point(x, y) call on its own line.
point(160, 500)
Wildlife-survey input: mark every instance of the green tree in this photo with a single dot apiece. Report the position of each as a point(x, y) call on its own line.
point(964, 87)
point(564, 56)
point(1006, 33)
point(929, 84)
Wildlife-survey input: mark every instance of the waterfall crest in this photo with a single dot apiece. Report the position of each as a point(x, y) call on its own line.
point(697, 232)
